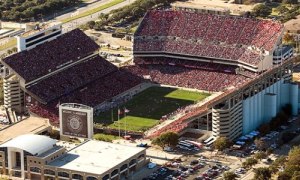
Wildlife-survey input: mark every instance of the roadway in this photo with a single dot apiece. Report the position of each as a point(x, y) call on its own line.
point(77, 22)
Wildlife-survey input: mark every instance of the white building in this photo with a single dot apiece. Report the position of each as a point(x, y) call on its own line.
point(38, 35)
point(39, 157)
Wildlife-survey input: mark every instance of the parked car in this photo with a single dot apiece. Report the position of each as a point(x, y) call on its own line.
point(151, 165)
point(142, 145)
point(194, 162)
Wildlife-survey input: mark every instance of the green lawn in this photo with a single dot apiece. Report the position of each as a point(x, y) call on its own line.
point(147, 108)
point(92, 11)
point(105, 137)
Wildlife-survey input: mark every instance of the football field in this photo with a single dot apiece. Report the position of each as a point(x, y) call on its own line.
point(148, 107)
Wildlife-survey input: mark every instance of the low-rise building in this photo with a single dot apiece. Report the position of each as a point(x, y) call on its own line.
point(39, 157)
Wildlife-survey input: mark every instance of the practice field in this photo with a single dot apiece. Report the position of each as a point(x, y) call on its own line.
point(148, 107)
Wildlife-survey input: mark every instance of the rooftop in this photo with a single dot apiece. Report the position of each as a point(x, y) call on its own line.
point(95, 157)
point(39, 27)
point(293, 25)
point(32, 143)
point(31, 125)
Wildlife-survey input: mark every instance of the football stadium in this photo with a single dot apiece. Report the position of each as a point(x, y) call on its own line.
point(187, 68)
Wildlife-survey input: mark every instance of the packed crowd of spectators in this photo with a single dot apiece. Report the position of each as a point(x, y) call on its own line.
point(103, 89)
point(72, 78)
point(93, 94)
point(189, 74)
point(181, 46)
point(206, 35)
point(48, 57)
point(49, 111)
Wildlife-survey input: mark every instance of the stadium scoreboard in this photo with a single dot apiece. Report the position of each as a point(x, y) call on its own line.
point(76, 120)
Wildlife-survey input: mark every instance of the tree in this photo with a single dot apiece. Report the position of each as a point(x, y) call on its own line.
point(166, 139)
point(296, 175)
point(282, 9)
point(14, 49)
point(283, 117)
point(279, 162)
point(284, 176)
point(222, 143)
point(260, 155)
point(264, 129)
point(269, 151)
point(275, 123)
point(229, 176)
point(9, 51)
point(262, 173)
point(262, 10)
point(290, 2)
point(287, 109)
point(54, 134)
point(249, 162)
point(287, 38)
point(293, 162)
point(91, 24)
point(260, 144)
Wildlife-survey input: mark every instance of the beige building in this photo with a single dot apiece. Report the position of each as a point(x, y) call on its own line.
point(39, 157)
point(220, 7)
point(13, 94)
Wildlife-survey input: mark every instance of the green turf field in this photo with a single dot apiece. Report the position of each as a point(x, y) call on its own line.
point(147, 108)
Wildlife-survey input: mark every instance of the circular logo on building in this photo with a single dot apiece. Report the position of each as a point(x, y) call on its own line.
point(75, 123)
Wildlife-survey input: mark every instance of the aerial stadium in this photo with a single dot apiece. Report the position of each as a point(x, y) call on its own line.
point(228, 59)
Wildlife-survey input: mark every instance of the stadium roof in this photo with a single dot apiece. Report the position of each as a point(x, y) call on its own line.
point(95, 157)
point(51, 56)
point(34, 144)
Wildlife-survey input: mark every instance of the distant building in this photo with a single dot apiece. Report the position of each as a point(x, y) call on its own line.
point(282, 53)
point(38, 34)
point(212, 7)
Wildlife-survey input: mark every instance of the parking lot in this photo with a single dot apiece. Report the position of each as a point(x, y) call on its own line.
point(198, 163)
point(188, 167)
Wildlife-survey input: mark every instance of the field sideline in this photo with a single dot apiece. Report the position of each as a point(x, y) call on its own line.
point(147, 108)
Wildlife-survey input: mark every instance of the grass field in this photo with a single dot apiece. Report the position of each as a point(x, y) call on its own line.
point(92, 11)
point(147, 108)
point(105, 137)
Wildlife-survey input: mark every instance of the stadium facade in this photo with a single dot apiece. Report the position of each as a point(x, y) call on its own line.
point(242, 59)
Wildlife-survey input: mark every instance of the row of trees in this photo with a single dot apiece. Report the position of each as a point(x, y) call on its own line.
point(261, 173)
point(166, 139)
point(265, 10)
point(291, 165)
point(128, 14)
point(281, 118)
point(25, 10)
